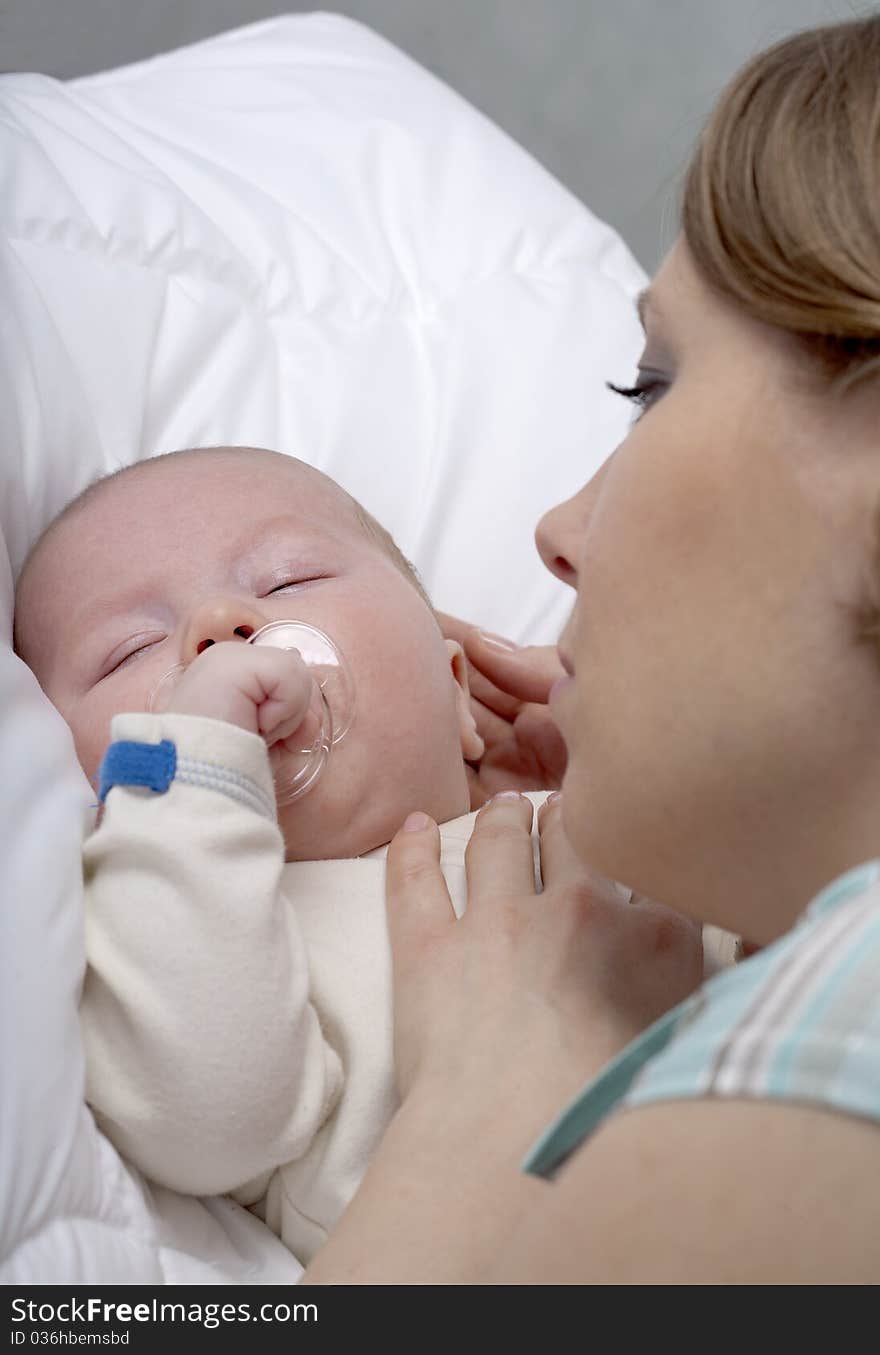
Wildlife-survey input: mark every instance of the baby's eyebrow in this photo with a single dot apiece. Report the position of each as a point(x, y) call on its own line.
point(281, 530)
point(91, 623)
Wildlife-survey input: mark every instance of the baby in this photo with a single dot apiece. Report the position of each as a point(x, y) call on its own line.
point(236, 1009)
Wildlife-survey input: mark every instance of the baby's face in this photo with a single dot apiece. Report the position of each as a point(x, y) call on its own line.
point(125, 587)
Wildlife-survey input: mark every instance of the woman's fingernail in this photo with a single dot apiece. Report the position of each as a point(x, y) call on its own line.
point(415, 822)
point(498, 642)
point(554, 797)
point(506, 795)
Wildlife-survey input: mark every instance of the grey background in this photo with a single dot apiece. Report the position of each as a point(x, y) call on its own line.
point(608, 94)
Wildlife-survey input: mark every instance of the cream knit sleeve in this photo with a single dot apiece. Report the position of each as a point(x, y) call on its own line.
point(206, 1062)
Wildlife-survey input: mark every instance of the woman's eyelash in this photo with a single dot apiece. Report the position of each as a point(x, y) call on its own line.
point(643, 394)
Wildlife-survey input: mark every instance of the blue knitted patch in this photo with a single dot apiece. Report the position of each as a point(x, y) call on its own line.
point(127, 763)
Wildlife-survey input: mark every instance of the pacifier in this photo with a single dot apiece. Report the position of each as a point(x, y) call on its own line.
point(298, 761)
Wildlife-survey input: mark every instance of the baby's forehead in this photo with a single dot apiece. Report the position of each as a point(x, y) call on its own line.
point(208, 476)
point(167, 502)
point(187, 493)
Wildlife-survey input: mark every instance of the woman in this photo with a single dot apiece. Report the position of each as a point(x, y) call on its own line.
point(721, 713)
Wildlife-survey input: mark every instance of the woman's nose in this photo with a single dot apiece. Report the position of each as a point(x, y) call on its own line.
point(216, 619)
point(559, 535)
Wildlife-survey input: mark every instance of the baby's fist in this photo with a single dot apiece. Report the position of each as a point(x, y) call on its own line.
point(261, 689)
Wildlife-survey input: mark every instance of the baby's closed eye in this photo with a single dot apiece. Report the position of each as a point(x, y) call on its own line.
point(123, 655)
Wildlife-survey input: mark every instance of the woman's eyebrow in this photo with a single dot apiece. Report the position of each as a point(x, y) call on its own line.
point(644, 302)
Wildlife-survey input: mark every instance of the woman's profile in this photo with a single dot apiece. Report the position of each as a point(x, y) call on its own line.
point(721, 713)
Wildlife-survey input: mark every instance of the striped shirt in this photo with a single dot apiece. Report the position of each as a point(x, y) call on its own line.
point(798, 1021)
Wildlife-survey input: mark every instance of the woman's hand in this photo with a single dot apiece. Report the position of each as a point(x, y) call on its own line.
point(509, 689)
point(500, 1018)
point(525, 998)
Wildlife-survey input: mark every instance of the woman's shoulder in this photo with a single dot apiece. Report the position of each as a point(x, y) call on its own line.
point(798, 1021)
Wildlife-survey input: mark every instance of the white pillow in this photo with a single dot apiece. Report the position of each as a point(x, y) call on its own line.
point(290, 236)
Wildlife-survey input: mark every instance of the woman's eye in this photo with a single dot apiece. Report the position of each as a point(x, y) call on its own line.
point(645, 393)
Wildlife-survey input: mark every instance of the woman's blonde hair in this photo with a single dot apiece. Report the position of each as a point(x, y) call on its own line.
point(781, 207)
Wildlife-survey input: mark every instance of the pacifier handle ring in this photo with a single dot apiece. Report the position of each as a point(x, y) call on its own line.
point(318, 754)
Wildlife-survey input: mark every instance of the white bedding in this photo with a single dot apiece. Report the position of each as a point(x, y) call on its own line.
point(289, 236)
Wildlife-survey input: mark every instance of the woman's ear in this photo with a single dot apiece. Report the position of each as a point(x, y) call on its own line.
point(472, 746)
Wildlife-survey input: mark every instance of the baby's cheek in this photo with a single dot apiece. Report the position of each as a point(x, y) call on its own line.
point(90, 721)
point(91, 735)
point(424, 744)
point(90, 755)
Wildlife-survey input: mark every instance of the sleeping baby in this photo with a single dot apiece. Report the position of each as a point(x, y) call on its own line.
point(236, 1009)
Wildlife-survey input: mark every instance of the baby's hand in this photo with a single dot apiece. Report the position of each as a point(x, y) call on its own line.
point(261, 689)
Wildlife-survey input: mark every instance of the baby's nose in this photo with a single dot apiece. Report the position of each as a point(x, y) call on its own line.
point(219, 618)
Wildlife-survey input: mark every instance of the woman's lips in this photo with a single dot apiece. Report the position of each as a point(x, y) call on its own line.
point(565, 661)
point(559, 685)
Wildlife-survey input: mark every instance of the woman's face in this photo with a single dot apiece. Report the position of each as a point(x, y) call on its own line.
point(723, 718)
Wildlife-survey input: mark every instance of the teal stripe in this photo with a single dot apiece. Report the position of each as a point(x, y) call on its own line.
point(858, 1083)
point(844, 887)
point(729, 998)
point(795, 1049)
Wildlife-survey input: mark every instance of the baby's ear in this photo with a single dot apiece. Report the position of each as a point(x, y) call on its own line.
point(472, 746)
